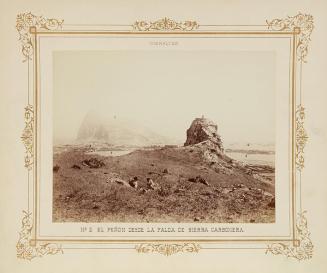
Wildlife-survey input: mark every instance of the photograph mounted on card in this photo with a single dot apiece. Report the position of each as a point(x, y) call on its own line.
point(164, 136)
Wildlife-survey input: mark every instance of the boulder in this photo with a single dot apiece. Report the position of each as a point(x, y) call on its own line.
point(93, 163)
point(272, 203)
point(134, 182)
point(199, 179)
point(152, 185)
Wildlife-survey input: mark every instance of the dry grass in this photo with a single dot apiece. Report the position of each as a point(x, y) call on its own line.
point(89, 195)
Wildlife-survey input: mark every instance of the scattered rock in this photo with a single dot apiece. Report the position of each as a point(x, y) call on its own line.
point(180, 190)
point(209, 194)
point(143, 190)
point(196, 219)
point(56, 168)
point(202, 180)
point(150, 173)
point(272, 203)
point(249, 172)
point(226, 190)
point(70, 195)
point(134, 182)
point(76, 167)
point(218, 190)
point(267, 194)
point(238, 186)
point(95, 206)
point(93, 163)
point(120, 181)
point(262, 173)
point(140, 212)
point(260, 191)
point(151, 184)
point(218, 167)
point(199, 179)
point(243, 198)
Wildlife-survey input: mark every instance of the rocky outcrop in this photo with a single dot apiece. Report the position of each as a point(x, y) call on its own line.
point(203, 139)
point(203, 129)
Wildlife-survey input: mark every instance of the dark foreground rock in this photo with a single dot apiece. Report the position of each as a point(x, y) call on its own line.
point(93, 163)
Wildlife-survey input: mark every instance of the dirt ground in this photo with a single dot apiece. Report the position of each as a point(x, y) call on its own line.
point(182, 188)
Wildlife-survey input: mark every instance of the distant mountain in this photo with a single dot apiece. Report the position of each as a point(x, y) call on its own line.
point(117, 131)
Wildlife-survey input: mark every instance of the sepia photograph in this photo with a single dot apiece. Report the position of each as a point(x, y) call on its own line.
point(164, 136)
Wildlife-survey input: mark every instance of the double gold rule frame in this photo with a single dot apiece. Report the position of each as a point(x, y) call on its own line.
point(297, 28)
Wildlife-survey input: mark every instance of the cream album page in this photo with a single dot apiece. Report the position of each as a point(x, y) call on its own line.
point(163, 136)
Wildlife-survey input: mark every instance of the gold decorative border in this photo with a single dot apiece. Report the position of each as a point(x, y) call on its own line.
point(303, 24)
point(165, 24)
point(301, 137)
point(27, 23)
point(26, 248)
point(303, 250)
point(168, 248)
point(28, 136)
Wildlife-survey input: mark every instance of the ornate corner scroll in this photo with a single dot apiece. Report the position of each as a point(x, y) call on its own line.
point(165, 24)
point(25, 22)
point(304, 249)
point(301, 137)
point(168, 249)
point(303, 23)
point(28, 136)
point(28, 250)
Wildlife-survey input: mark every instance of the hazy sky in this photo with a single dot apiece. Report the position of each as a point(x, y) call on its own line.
point(166, 90)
